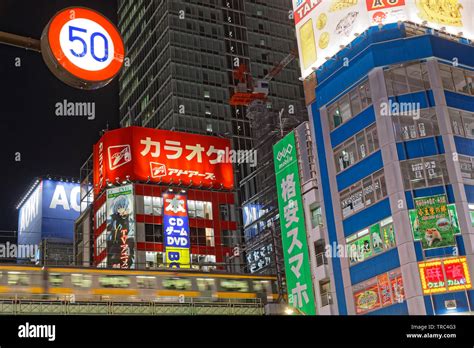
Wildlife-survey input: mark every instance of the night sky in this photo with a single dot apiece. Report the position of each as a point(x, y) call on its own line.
point(48, 144)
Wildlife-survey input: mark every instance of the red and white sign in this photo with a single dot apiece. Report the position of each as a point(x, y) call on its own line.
point(373, 5)
point(161, 156)
point(82, 48)
point(305, 7)
point(385, 11)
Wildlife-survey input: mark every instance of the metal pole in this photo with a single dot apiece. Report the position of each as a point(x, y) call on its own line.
point(20, 41)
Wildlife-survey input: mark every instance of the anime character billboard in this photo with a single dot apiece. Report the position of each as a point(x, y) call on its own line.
point(120, 228)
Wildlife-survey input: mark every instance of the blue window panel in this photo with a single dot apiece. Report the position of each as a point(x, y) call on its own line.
point(460, 243)
point(421, 148)
point(402, 156)
point(395, 309)
point(450, 194)
point(464, 146)
point(353, 126)
point(459, 101)
point(374, 266)
point(448, 50)
point(431, 100)
point(428, 305)
point(417, 97)
point(439, 142)
point(418, 251)
point(470, 295)
point(429, 191)
point(440, 252)
point(461, 303)
point(367, 217)
point(409, 199)
point(469, 193)
point(360, 170)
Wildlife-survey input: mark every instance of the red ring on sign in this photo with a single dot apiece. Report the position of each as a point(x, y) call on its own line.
point(57, 24)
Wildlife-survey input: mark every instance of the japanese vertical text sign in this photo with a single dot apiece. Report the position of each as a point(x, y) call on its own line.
point(120, 227)
point(293, 231)
point(176, 230)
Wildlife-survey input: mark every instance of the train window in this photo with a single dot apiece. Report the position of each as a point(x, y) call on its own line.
point(113, 281)
point(81, 280)
point(260, 285)
point(56, 279)
point(177, 284)
point(146, 282)
point(235, 285)
point(18, 278)
point(205, 284)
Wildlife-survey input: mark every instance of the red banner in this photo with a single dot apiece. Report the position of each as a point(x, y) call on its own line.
point(161, 156)
point(385, 289)
point(304, 9)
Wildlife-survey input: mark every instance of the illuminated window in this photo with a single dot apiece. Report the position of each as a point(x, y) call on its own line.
point(407, 78)
point(316, 216)
point(101, 243)
point(371, 241)
point(356, 148)
point(363, 194)
point(204, 263)
point(384, 290)
point(409, 128)
point(101, 216)
point(424, 172)
point(81, 280)
point(349, 105)
point(144, 282)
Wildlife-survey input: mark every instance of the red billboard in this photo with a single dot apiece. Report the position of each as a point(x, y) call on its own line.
point(162, 156)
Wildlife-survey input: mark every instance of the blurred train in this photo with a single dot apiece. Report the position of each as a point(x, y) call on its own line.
point(86, 284)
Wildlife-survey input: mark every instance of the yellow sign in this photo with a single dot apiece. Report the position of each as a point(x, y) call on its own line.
point(444, 275)
point(178, 258)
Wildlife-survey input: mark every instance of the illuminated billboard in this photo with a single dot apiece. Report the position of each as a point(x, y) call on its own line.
point(29, 218)
point(382, 291)
point(120, 227)
point(49, 212)
point(324, 26)
point(161, 156)
point(444, 275)
point(299, 281)
point(176, 230)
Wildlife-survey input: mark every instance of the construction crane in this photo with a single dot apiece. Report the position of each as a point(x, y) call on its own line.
point(247, 91)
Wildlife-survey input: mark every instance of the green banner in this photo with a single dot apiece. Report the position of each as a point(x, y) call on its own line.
point(434, 222)
point(293, 230)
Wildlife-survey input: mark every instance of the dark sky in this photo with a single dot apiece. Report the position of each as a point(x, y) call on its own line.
point(48, 144)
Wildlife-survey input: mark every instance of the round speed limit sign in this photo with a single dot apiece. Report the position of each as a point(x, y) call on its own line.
point(82, 48)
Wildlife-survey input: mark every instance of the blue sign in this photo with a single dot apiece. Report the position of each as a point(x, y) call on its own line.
point(176, 231)
point(61, 207)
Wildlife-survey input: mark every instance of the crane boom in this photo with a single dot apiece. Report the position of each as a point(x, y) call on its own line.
point(282, 65)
